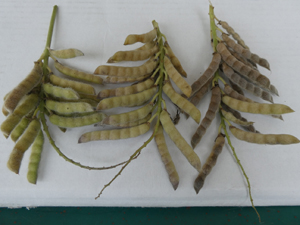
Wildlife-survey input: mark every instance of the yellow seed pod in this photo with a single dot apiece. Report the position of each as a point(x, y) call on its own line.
point(66, 53)
point(59, 92)
point(122, 80)
point(166, 157)
point(120, 71)
point(127, 100)
point(179, 141)
point(77, 74)
point(68, 107)
point(271, 139)
point(75, 85)
point(117, 134)
point(134, 123)
point(5, 112)
point(129, 116)
point(23, 88)
point(16, 156)
point(147, 45)
point(177, 78)
point(181, 102)
point(141, 86)
point(210, 162)
point(78, 121)
point(35, 157)
point(175, 61)
point(258, 108)
point(147, 37)
point(135, 55)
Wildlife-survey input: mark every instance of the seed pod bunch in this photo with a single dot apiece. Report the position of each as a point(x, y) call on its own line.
point(232, 70)
point(67, 103)
point(153, 79)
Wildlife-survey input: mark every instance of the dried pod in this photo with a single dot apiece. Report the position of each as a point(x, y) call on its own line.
point(77, 74)
point(236, 47)
point(19, 129)
point(23, 88)
point(258, 108)
point(230, 117)
point(68, 107)
point(122, 80)
point(66, 53)
point(175, 61)
point(60, 92)
point(117, 134)
point(144, 38)
point(166, 157)
point(127, 100)
point(177, 78)
point(179, 141)
point(209, 116)
point(271, 139)
point(210, 162)
point(260, 61)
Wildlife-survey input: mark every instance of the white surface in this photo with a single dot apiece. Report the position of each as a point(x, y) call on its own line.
point(98, 28)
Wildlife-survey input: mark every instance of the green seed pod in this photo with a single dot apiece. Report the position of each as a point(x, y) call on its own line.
point(23, 88)
point(9, 124)
point(127, 100)
point(59, 92)
point(68, 107)
point(16, 156)
point(123, 133)
point(166, 157)
point(271, 139)
point(77, 74)
point(179, 141)
point(75, 85)
point(253, 107)
point(79, 121)
point(35, 157)
point(19, 129)
point(66, 53)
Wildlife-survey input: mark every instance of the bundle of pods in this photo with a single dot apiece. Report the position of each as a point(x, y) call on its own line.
point(236, 67)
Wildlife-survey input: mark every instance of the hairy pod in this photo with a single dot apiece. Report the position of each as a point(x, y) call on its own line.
point(270, 139)
point(127, 100)
point(66, 53)
point(254, 107)
point(117, 134)
point(135, 55)
point(23, 88)
point(120, 71)
point(177, 78)
point(210, 162)
point(243, 69)
point(179, 141)
point(77, 74)
point(77, 121)
point(243, 83)
point(208, 74)
point(75, 85)
point(181, 102)
point(60, 92)
point(129, 116)
point(35, 157)
point(209, 116)
point(235, 35)
point(68, 107)
point(133, 89)
point(16, 156)
point(175, 61)
point(144, 38)
point(166, 157)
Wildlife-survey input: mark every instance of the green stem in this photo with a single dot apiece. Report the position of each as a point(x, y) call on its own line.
point(213, 27)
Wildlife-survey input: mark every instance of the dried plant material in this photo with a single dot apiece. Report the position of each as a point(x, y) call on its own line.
point(175, 61)
point(144, 38)
point(66, 53)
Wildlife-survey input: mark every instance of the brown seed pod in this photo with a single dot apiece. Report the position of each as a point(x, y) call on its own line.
point(260, 61)
point(236, 47)
point(23, 88)
point(208, 74)
point(166, 157)
point(210, 162)
point(270, 139)
point(209, 116)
